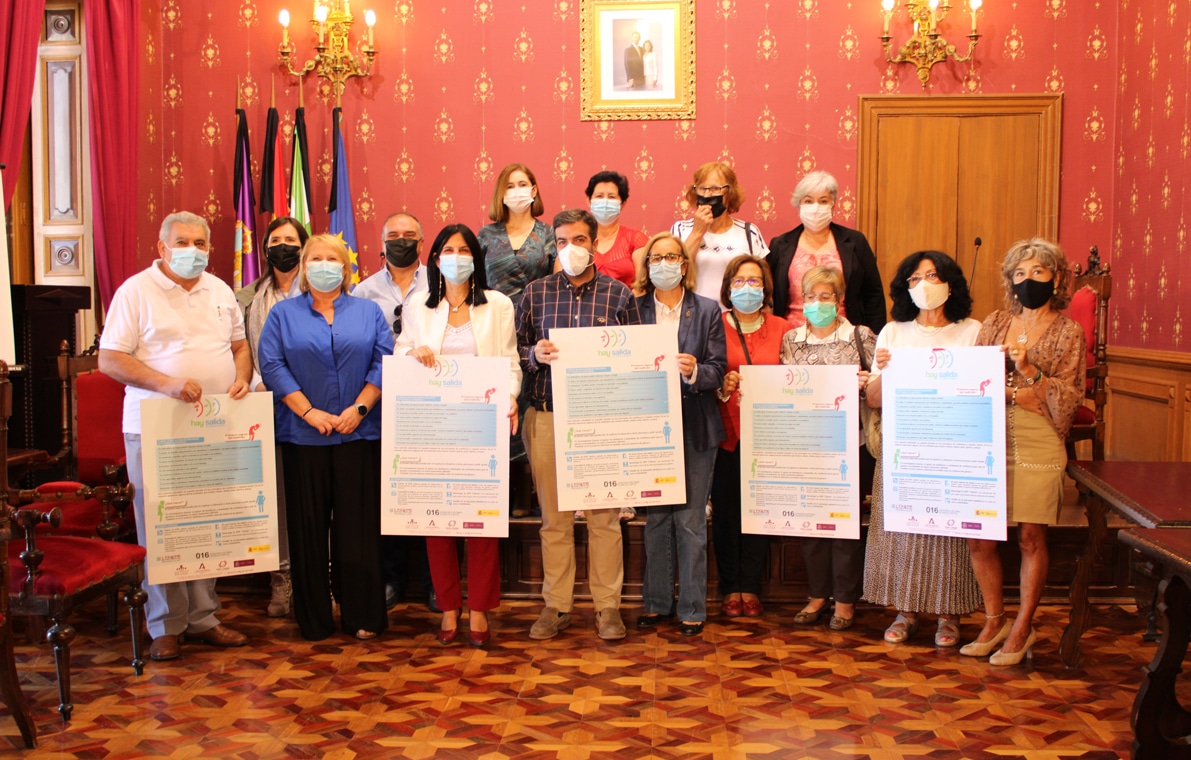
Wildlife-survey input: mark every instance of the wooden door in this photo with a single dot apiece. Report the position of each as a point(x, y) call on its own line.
point(938, 172)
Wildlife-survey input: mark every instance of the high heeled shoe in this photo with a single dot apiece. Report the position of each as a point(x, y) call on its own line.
point(447, 635)
point(983, 648)
point(1014, 658)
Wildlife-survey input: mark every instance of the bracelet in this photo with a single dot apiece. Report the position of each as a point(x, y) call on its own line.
point(307, 411)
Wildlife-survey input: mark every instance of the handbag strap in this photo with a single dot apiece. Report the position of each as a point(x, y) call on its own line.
point(743, 344)
point(865, 364)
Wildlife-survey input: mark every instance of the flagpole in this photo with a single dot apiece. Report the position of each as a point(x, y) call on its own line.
point(272, 90)
point(237, 93)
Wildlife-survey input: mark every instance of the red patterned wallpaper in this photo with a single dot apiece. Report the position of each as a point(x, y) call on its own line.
point(1152, 282)
point(462, 87)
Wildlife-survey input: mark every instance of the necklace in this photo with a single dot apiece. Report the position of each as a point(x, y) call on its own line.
point(455, 309)
point(1024, 337)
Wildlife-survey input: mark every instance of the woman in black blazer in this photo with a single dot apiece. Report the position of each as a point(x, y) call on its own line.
point(677, 534)
point(820, 242)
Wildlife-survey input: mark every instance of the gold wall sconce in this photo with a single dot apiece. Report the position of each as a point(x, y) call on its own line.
point(333, 58)
point(926, 47)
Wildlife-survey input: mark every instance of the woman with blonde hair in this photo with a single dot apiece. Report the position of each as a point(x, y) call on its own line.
point(676, 534)
point(320, 354)
point(1044, 359)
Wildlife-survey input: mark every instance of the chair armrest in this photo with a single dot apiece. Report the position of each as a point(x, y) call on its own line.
point(28, 518)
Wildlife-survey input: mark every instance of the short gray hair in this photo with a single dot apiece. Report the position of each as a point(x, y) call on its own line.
point(183, 217)
point(813, 184)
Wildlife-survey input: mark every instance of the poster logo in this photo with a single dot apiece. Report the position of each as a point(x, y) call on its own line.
point(614, 338)
point(252, 432)
point(941, 358)
point(837, 400)
point(657, 362)
point(984, 384)
point(796, 376)
point(446, 368)
point(488, 395)
point(207, 407)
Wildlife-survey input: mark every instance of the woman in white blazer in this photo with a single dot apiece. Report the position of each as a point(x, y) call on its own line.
point(459, 315)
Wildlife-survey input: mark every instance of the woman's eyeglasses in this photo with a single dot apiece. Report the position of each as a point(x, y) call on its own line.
point(821, 298)
point(752, 282)
point(669, 258)
point(929, 277)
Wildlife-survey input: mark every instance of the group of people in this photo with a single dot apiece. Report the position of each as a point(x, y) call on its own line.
point(813, 296)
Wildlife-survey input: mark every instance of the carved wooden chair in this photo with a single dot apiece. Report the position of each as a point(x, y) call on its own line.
point(56, 574)
point(1089, 307)
point(10, 685)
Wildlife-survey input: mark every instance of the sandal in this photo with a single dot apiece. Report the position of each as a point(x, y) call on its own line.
point(901, 629)
point(947, 634)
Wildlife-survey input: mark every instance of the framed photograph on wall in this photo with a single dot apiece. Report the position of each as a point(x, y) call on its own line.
point(636, 59)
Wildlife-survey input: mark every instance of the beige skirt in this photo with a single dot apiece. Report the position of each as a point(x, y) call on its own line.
point(1034, 468)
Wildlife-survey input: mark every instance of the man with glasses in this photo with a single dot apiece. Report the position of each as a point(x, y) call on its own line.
point(403, 275)
point(578, 296)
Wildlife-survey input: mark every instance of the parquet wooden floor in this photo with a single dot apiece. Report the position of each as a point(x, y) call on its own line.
point(745, 689)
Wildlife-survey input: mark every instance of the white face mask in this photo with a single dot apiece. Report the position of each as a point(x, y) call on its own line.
point(815, 216)
point(574, 260)
point(930, 295)
point(519, 198)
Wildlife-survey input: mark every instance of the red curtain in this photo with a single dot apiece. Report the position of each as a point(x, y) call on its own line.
point(113, 67)
point(20, 33)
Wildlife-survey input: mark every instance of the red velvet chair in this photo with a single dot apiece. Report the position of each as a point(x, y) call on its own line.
point(10, 685)
point(57, 574)
point(1089, 307)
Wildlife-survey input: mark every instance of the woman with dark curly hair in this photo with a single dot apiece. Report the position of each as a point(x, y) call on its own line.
point(917, 573)
point(1043, 390)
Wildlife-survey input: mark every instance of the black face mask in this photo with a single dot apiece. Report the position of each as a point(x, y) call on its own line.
point(715, 201)
point(1034, 294)
point(283, 257)
point(401, 252)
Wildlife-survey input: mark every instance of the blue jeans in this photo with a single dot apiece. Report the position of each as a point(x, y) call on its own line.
point(681, 530)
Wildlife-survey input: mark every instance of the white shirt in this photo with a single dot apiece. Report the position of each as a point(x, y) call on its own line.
point(664, 315)
point(717, 250)
point(913, 335)
point(178, 332)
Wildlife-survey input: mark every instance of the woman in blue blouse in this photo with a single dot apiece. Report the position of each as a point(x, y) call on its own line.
point(320, 354)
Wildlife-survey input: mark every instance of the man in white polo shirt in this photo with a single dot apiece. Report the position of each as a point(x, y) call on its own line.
point(174, 331)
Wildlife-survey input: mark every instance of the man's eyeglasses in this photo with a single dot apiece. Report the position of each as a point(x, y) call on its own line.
point(752, 282)
point(929, 277)
point(397, 320)
point(669, 258)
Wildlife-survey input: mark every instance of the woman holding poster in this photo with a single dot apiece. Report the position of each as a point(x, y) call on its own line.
point(666, 280)
point(320, 354)
point(913, 572)
point(1045, 359)
point(833, 565)
point(458, 315)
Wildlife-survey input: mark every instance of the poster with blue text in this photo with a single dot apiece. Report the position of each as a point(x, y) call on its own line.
point(617, 417)
point(445, 447)
point(943, 417)
point(210, 487)
point(799, 451)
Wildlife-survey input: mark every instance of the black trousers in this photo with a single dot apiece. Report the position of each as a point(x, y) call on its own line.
point(739, 557)
point(335, 491)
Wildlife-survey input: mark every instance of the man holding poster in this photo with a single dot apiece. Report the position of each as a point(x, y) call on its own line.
point(174, 331)
point(578, 296)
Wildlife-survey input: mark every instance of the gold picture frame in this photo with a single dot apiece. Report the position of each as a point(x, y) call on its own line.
point(636, 59)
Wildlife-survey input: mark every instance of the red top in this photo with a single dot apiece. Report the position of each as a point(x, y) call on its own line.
point(617, 262)
point(765, 347)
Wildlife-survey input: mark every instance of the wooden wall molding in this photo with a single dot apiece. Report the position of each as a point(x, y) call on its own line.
point(1149, 405)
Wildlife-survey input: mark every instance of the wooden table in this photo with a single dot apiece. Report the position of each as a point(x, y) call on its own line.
point(1161, 727)
point(1151, 494)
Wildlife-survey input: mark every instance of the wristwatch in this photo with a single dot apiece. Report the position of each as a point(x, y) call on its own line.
point(362, 409)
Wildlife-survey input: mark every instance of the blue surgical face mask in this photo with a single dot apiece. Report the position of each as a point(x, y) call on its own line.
point(665, 276)
point(324, 276)
point(605, 210)
point(747, 299)
point(455, 268)
point(188, 263)
point(820, 314)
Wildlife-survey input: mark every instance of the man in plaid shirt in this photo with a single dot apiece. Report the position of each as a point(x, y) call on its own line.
point(578, 296)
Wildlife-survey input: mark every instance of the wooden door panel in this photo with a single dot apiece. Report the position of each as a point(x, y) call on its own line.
point(916, 200)
point(998, 199)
